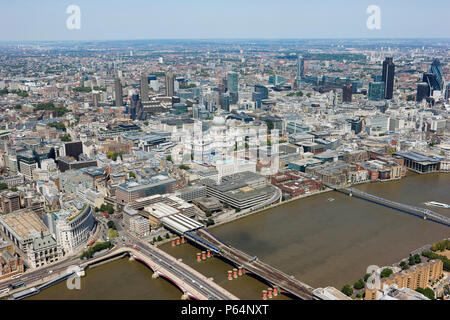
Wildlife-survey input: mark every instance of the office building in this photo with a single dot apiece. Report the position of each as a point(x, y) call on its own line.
point(436, 70)
point(170, 84)
point(10, 202)
point(423, 91)
point(242, 190)
point(118, 94)
point(139, 225)
point(388, 77)
point(73, 225)
point(74, 149)
point(431, 80)
point(157, 184)
point(347, 91)
point(233, 86)
point(376, 91)
point(263, 90)
point(27, 231)
point(300, 67)
point(144, 87)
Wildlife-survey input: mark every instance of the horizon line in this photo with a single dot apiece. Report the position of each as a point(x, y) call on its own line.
point(223, 38)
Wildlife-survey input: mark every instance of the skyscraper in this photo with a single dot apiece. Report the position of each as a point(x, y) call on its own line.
point(376, 91)
point(431, 80)
point(300, 67)
point(347, 91)
point(423, 91)
point(170, 85)
point(144, 87)
point(388, 77)
point(233, 86)
point(263, 90)
point(118, 92)
point(436, 69)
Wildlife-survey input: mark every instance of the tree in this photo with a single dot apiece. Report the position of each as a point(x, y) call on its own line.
point(270, 126)
point(111, 225)
point(347, 290)
point(131, 174)
point(411, 261)
point(404, 265)
point(366, 276)
point(14, 189)
point(427, 292)
point(169, 158)
point(167, 236)
point(184, 167)
point(57, 125)
point(159, 238)
point(3, 186)
point(417, 259)
point(65, 138)
point(208, 213)
point(358, 285)
point(386, 272)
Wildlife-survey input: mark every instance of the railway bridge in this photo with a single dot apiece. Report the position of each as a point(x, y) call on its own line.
point(195, 232)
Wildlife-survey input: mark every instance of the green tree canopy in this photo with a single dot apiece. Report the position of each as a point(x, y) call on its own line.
point(386, 272)
point(358, 285)
point(347, 290)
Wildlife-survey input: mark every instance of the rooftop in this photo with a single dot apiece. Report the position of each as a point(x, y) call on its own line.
point(24, 224)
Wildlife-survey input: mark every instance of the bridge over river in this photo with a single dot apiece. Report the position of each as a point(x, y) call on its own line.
point(421, 212)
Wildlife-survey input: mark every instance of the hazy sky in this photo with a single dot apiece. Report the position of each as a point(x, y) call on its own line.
point(177, 19)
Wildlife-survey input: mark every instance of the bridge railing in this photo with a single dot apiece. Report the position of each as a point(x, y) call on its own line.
point(424, 211)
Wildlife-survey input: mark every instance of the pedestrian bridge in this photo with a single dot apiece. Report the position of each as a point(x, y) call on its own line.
point(421, 212)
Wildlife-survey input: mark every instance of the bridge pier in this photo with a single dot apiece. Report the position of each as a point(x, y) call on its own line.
point(155, 275)
point(230, 277)
point(264, 294)
point(185, 296)
point(131, 258)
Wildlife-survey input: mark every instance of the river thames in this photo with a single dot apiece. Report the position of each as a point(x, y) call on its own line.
point(320, 242)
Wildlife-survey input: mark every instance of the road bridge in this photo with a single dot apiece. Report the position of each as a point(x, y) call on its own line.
point(189, 281)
